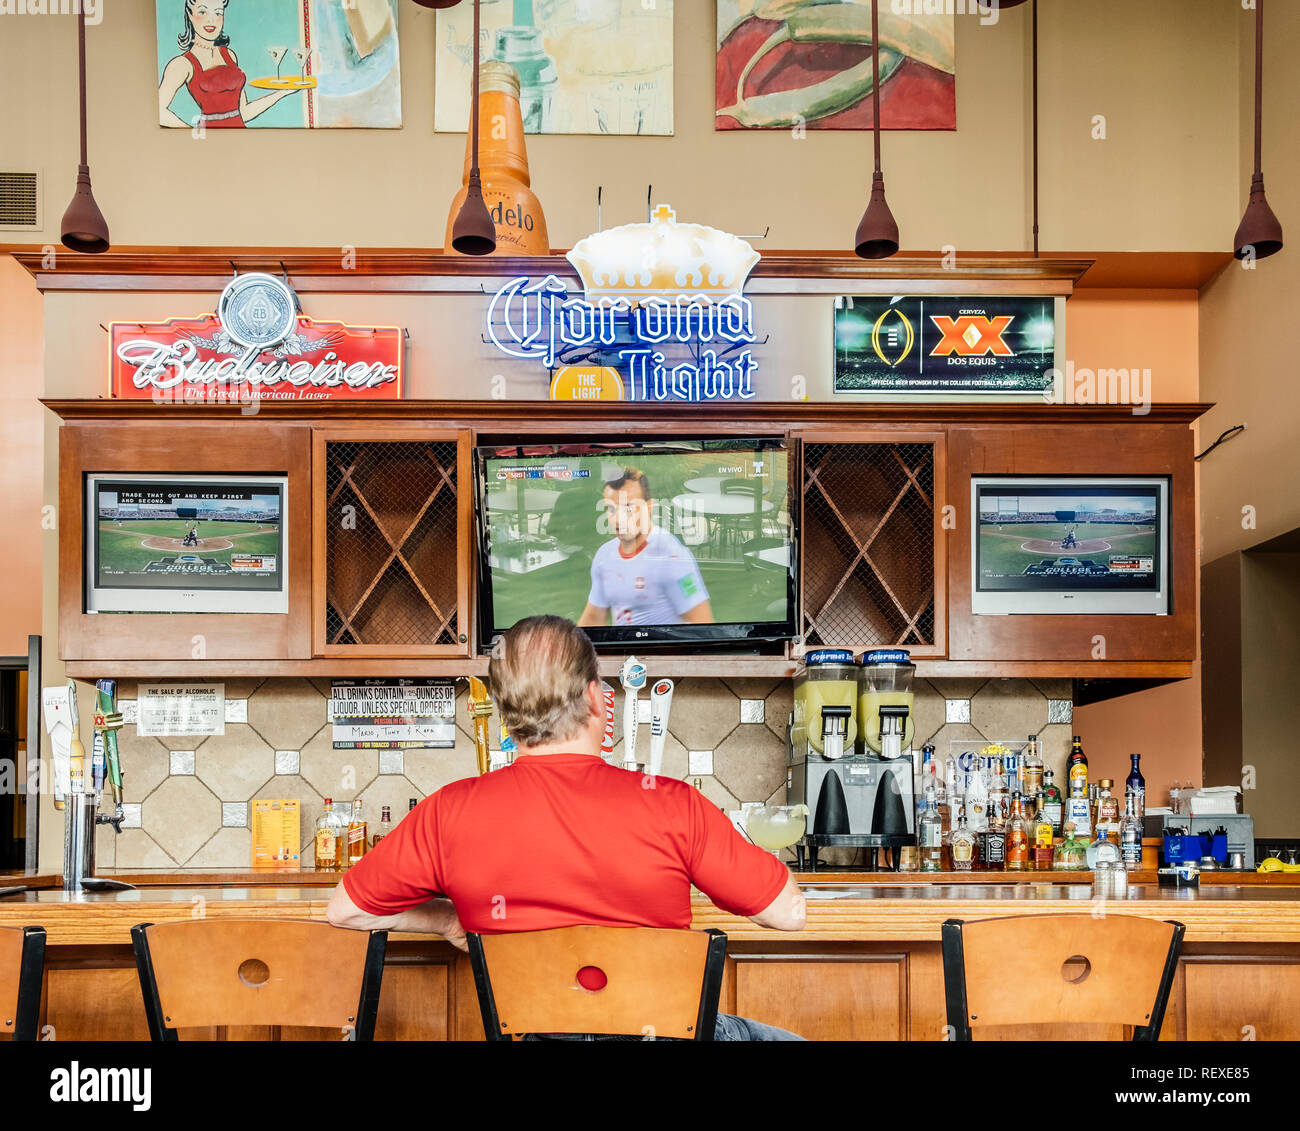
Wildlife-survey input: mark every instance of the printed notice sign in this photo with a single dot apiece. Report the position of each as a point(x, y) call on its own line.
point(180, 708)
point(393, 714)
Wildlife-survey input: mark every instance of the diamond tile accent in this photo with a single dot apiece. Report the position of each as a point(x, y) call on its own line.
point(391, 762)
point(752, 710)
point(234, 814)
point(750, 763)
point(130, 813)
point(180, 815)
point(699, 762)
point(957, 710)
point(286, 712)
point(1060, 711)
point(287, 761)
point(182, 762)
point(235, 765)
point(236, 710)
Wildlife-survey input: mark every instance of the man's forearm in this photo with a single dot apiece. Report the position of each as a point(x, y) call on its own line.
point(437, 917)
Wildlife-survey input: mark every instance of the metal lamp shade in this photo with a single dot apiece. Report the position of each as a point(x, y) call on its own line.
point(1259, 229)
point(84, 228)
point(877, 236)
point(474, 233)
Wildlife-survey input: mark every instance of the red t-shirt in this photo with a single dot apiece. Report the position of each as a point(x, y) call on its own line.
point(557, 840)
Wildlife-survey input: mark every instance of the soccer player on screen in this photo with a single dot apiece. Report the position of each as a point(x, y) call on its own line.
point(643, 575)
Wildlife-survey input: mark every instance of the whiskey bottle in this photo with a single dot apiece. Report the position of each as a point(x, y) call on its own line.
point(385, 826)
point(993, 841)
point(1017, 846)
point(327, 839)
point(358, 840)
point(963, 845)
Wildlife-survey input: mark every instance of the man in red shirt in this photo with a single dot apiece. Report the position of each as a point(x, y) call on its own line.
point(561, 837)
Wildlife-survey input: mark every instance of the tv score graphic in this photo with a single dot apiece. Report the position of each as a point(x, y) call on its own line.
point(945, 344)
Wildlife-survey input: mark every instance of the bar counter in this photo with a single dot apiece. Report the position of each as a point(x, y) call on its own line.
point(868, 965)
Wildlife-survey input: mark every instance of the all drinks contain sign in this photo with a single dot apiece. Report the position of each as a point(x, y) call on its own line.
point(393, 714)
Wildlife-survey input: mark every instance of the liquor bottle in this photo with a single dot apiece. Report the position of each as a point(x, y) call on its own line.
point(963, 846)
point(1051, 804)
point(1130, 835)
point(993, 842)
point(1043, 837)
point(1107, 807)
point(1018, 836)
point(358, 835)
point(1033, 766)
point(1077, 769)
point(327, 839)
point(412, 803)
point(930, 838)
point(503, 167)
point(1135, 785)
point(1079, 810)
point(385, 826)
point(977, 799)
point(1103, 848)
point(1070, 853)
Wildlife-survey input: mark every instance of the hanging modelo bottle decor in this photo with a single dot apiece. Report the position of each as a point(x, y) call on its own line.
point(503, 163)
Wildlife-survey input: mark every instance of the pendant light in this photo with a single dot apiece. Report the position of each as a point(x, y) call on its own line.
point(437, 4)
point(1259, 232)
point(84, 228)
point(474, 233)
point(877, 236)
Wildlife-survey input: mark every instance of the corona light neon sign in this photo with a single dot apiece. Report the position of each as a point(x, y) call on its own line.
point(661, 303)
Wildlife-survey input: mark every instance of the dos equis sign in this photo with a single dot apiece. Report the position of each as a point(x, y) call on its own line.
point(257, 346)
point(945, 344)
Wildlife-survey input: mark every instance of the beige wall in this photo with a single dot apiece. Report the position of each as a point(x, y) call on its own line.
point(22, 428)
point(1159, 180)
point(1247, 362)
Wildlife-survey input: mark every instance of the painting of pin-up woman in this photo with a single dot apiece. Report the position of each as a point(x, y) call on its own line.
point(291, 64)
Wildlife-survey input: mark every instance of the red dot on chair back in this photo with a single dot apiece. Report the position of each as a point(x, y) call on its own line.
point(592, 978)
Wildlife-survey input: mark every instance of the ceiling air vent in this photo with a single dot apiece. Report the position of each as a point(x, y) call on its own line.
point(20, 201)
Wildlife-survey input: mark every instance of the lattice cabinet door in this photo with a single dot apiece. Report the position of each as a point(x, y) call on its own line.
point(872, 559)
point(392, 528)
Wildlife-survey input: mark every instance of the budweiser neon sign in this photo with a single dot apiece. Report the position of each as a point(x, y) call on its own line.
point(255, 347)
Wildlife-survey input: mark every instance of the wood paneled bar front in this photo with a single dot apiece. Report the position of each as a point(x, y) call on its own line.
point(867, 967)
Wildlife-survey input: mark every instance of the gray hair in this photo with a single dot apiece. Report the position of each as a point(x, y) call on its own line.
point(539, 672)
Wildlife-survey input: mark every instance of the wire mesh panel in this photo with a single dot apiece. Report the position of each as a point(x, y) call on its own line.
point(390, 544)
point(868, 544)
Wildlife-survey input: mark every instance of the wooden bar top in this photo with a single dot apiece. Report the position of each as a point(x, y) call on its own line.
point(837, 912)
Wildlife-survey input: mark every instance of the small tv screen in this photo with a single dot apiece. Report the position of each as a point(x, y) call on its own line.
point(1070, 545)
point(186, 543)
point(639, 543)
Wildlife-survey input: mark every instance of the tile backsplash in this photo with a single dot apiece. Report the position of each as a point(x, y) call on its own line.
point(186, 798)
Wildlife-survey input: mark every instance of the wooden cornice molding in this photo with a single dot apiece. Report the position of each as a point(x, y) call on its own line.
point(533, 416)
point(409, 269)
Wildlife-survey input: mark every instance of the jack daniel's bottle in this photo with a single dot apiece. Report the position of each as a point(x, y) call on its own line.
point(503, 166)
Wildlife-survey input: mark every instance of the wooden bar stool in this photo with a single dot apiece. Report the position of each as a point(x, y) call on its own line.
point(272, 972)
point(1059, 969)
point(22, 969)
point(637, 981)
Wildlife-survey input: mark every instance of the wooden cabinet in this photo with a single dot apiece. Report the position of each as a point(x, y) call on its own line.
point(392, 545)
point(872, 556)
point(189, 447)
point(1044, 448)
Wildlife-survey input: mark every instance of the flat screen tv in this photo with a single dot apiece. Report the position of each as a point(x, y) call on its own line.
point(186, 543)
point(659, 542)
point(1070, 544)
